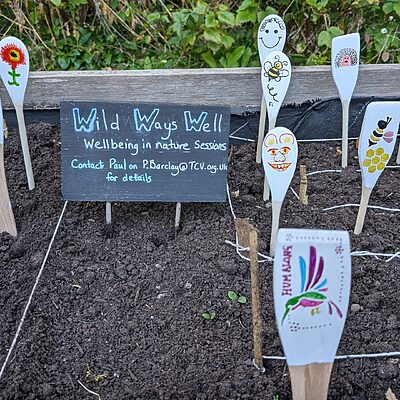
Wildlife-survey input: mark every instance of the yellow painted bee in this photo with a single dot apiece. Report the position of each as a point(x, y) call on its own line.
point(275, 71)
point(378, 133)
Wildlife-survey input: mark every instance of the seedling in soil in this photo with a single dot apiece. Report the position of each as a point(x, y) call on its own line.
point(235, 297)
point(209, 316)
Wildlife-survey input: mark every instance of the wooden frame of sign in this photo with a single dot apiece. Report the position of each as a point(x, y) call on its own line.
point(235, 87)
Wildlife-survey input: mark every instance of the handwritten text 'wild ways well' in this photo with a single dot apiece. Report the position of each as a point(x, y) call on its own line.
point(145, 123)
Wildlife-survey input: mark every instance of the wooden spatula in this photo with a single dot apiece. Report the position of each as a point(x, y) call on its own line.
point(312, 276)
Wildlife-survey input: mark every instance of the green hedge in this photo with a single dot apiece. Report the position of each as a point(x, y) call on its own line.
point(121, 34)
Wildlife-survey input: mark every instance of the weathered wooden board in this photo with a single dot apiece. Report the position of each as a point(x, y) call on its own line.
point(236, 87)
point(143, 152)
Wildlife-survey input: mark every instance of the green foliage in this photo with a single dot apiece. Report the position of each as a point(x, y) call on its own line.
point(235, 297)
point(122, 34)
point(209, 316)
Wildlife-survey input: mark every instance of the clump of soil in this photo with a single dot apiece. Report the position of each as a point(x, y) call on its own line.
point(121, 311)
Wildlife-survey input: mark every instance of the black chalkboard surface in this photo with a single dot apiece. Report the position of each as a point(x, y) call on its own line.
point(143, 152)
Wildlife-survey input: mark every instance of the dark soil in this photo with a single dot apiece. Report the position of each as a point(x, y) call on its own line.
point(121, 311)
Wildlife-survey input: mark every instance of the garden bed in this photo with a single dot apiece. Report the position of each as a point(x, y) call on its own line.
point(121, 311)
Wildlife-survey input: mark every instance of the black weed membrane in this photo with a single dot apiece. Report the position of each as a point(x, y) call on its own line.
point(317, 120)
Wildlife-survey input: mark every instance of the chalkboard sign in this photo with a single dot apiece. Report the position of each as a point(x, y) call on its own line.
point(144, 152)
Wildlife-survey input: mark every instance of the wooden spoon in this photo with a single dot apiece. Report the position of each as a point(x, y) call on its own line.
point(7, 221)
point(345, 63)
point(279, 156)
point(271, 37)
point(312, 277)
point(14, 71)
point(275, 78)
point(376, 145)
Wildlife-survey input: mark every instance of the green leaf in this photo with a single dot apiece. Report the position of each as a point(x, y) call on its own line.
point(233, 57)
point(387, 7)
point(396, 8)
point(213, 35)
point(246, 16)
point(206, 315)
point(57, 3)
point(227, 41)
point(242, 299)
point(209, 59)
point(63, 62)
point(189, 39)
point(211, 22)
point(226, 17)
point(335, 31)
point(232, 295)
point(246, 57)
point(247, 4)
point(324, 39)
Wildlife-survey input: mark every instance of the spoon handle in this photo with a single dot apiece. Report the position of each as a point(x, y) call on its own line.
point(345, 132)
point(276, 212)
point(365, 194)
point(310, 382)
point(25, 147)
point(261, 129)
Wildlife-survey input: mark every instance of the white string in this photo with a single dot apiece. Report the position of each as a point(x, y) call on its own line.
point(21, 322)
point(295, 194)
point(347, 356)
point(357, 205)
point(323, 172)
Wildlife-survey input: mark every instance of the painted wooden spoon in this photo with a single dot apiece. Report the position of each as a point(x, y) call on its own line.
point(312, 278)
point(376, 145)
point(275, 78)
point(271, 37)
point(345, 63)
point(279, 156)
point(14, 71)
point(7, 221)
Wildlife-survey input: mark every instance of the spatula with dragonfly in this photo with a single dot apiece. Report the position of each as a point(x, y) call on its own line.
point(7, 221)
point(311, 281)
point(271, 37)
point(279, 156)
point(14, 71)
point(376, 145)
point(345, 63)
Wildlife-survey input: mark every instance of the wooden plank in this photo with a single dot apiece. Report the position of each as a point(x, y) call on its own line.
point(235, 87)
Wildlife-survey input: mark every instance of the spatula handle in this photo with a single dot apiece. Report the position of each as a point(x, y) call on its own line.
point(261, 129)
point(310, 382)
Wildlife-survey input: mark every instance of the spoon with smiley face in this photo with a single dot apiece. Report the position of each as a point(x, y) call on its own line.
point(279, 156)
point(271, 37)
point(14, 71)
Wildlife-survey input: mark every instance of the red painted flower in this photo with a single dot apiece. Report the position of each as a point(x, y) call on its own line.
point(12, 55)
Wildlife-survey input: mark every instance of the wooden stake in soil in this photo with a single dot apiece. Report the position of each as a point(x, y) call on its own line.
point(7, 221)
point(303, 185)
point(243, 234)
point(312, 277)
point(376, 145)
point(271, 37)
point(255, 299)
point(345, 62)
point(279, 155)
point(14, 71)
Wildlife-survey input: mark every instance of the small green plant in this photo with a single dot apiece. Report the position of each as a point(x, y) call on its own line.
point(235, 297)
point(209, 316)
point(276, 397)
